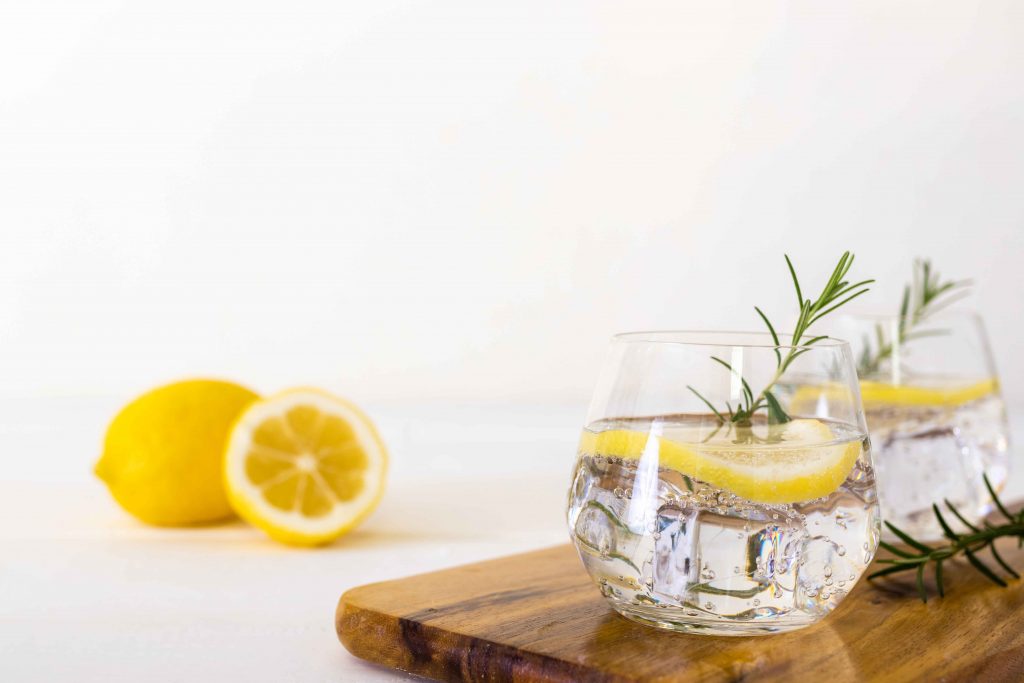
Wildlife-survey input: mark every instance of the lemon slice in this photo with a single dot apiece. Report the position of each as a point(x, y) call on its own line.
point(803, 463)
point(880, 393)
point(304, 466)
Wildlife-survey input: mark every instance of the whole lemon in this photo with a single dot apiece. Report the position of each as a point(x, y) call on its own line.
point(163, 454)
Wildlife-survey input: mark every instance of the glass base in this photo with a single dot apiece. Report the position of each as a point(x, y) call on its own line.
point(663, 619)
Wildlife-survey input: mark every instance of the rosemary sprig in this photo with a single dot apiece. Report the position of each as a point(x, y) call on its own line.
point(837, 292)
point(917, 556)
point(923, 297)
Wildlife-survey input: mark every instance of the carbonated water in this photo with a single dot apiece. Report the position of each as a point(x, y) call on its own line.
point(669, 549)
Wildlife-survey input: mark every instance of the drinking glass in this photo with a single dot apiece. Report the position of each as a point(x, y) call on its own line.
point(689, 521)
point(935, 413)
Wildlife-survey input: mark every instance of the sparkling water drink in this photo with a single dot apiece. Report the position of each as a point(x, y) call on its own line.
point(934, 446)
point(723, 482)
point(931, 399)
point(730, 556)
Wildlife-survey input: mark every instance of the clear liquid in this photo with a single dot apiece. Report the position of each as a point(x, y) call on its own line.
point(928, 454)
point(678, 553)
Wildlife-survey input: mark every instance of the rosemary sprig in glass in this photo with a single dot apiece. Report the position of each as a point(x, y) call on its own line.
point(926, 295)
point(837, 292)
point(917, 556)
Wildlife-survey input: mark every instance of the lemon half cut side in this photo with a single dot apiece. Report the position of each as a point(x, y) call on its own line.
point(304, 466)
point(805, 462)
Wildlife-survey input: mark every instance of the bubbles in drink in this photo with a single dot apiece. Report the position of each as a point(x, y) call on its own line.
point(689, 550)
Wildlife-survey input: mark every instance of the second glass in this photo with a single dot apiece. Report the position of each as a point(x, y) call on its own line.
point(690, 520)
point(936, 416)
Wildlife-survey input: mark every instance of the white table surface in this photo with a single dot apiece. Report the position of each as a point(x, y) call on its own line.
point(88, 594)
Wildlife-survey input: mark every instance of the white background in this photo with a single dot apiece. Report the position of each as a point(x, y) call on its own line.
point(440, 210)
point(426, 199)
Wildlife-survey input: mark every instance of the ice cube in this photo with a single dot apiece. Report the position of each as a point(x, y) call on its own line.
point(600, 530)
point(820, 567)
point(981, 427)
point(916, 469)
point(771, 551)
point(760, 542)
point(675, 564)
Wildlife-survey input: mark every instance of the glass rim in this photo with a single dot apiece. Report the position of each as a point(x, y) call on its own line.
point(720, 338)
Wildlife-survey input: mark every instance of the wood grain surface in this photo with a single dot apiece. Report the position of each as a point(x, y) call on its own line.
point(538, 617)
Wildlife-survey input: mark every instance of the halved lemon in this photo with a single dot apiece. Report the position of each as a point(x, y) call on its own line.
point(304, 466)
point(803, 461)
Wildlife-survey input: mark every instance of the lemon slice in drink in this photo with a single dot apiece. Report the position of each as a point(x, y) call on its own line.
point(881, 393)
point(304, 466)
point(802, 462)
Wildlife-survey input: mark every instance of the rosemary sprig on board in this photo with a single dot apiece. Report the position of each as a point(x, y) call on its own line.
point(837, 292)
point(917, 556)
point(923, 297)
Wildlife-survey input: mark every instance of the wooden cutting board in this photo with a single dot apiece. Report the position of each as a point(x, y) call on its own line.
point(538, 617)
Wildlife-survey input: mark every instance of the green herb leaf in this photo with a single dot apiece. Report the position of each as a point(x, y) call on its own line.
point(796, 282)
point(894, 550)
point(1002, 563)
point(983, 568)
point(907, 539)
point(925, 296)
point(707, 403)
point(887, 571)
point(836, 293)
point(968, 545)
point(999, 505)
point(776, 415)
point(942, 523)
point(775, 337)
point(957, 514)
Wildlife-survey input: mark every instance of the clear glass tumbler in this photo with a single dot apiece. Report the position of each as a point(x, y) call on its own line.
point(936, 416)
point(692, 521)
